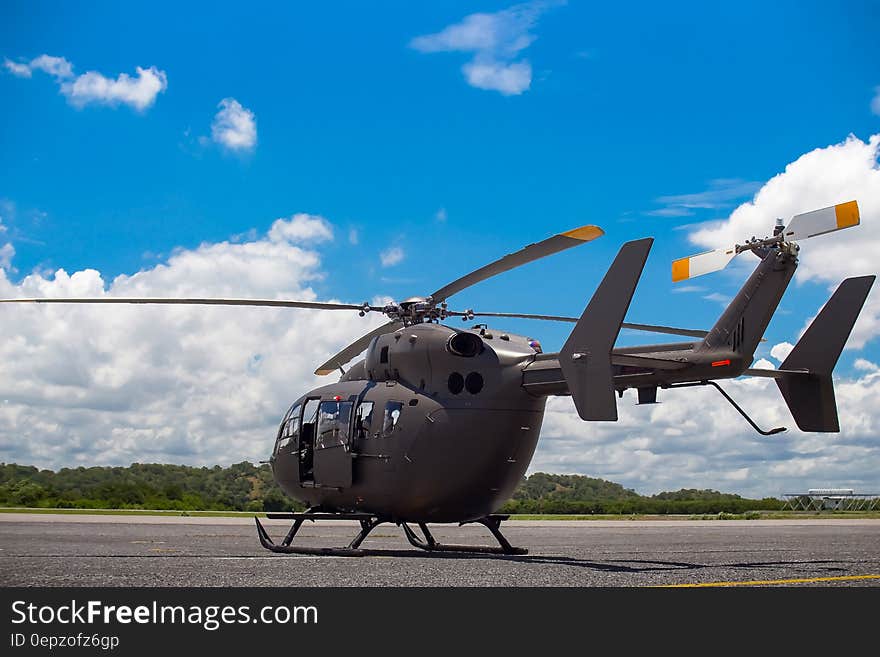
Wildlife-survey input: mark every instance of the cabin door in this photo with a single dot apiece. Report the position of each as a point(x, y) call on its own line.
point(333, 461)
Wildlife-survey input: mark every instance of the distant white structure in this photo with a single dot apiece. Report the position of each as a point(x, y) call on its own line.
point(831, 491)
point(831, 499)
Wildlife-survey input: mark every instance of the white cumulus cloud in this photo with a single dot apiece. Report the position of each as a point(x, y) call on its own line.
point(87, 385)
point(138, 92)
point(17, 69)
point(7, 252)
point(57, 67)
point(391, 256)
point(509, 79)
point(234, 126)
point(865, 365)
point(496, 41)
point(92, 87)
point(781, 351)
point(301, 227)
point(675, 445)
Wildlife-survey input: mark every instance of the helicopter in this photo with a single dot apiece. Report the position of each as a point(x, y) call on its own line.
point(438, 424)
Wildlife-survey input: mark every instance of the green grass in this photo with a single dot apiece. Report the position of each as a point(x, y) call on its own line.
point(750, 515)
point(134, 512)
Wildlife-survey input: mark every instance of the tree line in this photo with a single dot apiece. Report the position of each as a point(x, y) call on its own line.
point(239, 487)
point(552, 493)
point(248, 487)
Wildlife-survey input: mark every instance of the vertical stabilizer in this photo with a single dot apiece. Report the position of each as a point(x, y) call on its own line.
point(585, 358)
point(810, 396)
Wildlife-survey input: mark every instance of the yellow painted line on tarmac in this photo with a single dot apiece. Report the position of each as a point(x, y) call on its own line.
point(764, 582)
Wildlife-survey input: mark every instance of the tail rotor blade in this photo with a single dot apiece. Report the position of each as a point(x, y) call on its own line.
point(802, 226)
point(819, 222)
point(702, 263)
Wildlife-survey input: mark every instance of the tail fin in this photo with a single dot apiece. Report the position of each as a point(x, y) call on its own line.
point(585, 358)
point(810, 396)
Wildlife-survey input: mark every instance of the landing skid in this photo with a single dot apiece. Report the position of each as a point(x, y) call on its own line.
point(368, 523)
point(492, 523)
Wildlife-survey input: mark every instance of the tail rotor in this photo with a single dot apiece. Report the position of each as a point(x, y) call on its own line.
point(801, 227)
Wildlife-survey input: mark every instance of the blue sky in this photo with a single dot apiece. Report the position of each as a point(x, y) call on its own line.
point(626, 105)
point(452, 147)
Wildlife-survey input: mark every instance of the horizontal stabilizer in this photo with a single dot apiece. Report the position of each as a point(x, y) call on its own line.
point(633, 360)
point(773, 374)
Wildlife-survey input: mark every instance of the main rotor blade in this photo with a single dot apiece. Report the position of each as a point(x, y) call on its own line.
point(355, 348)
point(819, 222)
point(650, 328)
point(278, 303)
point(669, 330)
point(527, 254)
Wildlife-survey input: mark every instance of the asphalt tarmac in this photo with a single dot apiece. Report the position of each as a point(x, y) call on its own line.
point(94, 550)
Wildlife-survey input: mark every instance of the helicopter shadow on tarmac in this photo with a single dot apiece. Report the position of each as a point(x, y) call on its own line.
point(613, 565)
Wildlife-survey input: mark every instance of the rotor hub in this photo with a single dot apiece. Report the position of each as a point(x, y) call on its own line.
point(416, 310)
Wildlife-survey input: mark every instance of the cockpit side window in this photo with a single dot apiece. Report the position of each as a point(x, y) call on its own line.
point(393, 410)
point(310, 411)
point(334, 418)
point(363, 421)
point(289, 428)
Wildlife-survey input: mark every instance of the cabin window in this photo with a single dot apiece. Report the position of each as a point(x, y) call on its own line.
point(289, 430)
point(383, 354)
point(293, 410)
point(363, 421)
point(333, 421)
point(310, 411)
point(291, 427)
point(455, 383)
point(392, 416)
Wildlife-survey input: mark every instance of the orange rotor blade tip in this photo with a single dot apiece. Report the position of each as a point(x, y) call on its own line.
point(680, 269)
point(585, 233)
point(847, 214)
